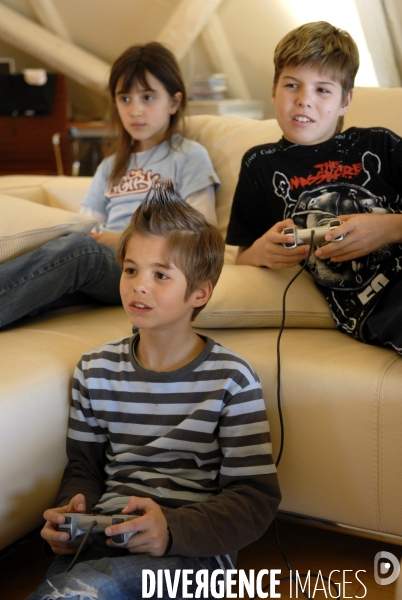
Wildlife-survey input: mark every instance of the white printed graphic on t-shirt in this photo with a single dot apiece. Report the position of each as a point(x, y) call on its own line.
point(135, 181)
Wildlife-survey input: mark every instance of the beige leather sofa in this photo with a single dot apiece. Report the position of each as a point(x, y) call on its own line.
point(341, 400)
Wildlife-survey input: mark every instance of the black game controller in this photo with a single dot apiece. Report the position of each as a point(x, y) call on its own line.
point(77, 524)
point(303, 236)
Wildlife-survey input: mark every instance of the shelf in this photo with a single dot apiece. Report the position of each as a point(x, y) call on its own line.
point(233, 107)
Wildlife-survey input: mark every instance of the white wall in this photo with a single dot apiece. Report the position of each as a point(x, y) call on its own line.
point(256, 26)
point(253, 28)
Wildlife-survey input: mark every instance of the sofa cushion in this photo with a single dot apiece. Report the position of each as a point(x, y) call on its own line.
point(252, 297)
point(25, 225)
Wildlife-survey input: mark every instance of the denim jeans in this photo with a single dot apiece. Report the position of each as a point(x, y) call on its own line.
point(104, 573)
point(71, 269)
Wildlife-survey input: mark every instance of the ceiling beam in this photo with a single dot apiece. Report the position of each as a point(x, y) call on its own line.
point(59, 54)
point(49, 16)
point(185, 25)
point(223, 59)
point(53, 44)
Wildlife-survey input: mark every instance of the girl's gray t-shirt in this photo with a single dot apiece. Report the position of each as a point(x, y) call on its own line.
point(185, 162)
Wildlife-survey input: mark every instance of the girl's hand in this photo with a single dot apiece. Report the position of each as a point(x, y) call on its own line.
point(269, 251)
point(107, 238)
point(152, 537)
point(58, 539)
point(363, 233)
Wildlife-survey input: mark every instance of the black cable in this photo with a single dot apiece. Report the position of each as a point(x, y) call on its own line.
point(81, 546)
point(302, 574)
point(278, 354)
point(285, 558)
point(282, 429)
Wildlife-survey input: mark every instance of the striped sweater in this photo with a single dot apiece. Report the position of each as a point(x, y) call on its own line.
point(195, 440)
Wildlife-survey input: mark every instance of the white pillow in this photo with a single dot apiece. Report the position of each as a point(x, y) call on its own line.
point(252, 297)
point(26, 225)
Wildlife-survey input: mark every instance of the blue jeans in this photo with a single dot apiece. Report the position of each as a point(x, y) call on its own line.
point(72, 269)
point(104, 573)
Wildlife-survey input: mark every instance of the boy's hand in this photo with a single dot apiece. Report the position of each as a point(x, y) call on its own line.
point(269, 251)
point(153, 536)
point(107, 238)
point(57, 539)
point(365, 233)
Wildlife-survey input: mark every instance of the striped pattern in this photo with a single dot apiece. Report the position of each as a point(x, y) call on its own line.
point(176, 437)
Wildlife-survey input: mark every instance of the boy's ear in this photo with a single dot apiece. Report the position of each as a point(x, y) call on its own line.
point(273, 92)
point(202, 294)
point(346, 103)
point(175, 102)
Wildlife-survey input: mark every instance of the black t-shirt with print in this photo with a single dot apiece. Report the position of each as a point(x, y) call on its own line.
point(357, 171)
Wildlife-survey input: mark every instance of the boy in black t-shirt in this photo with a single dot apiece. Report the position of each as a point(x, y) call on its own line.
point(316, 174)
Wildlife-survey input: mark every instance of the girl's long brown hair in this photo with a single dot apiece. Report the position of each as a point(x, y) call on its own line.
point(131, 68)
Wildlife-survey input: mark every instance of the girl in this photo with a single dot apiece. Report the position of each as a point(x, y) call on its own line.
point(148, 99)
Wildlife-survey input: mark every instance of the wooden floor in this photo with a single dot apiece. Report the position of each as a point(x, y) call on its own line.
point(307, 549)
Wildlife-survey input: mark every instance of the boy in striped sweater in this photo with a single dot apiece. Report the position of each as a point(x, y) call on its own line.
point(166, 423)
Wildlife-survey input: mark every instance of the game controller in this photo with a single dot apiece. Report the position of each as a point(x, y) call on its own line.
point(303, 236)
point(77, 524)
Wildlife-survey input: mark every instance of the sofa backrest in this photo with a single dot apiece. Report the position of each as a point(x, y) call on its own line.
point(376, 107)
point(29, 187)
point(58, 192)
point(227, 139)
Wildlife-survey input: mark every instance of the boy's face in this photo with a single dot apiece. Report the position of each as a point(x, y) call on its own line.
point(308, 104)
point(153, 291)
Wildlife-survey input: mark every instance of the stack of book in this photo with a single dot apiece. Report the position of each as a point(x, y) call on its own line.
point(211, 87)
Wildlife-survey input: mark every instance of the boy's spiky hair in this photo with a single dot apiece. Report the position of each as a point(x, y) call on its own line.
point(321, 45)
point(194, 245)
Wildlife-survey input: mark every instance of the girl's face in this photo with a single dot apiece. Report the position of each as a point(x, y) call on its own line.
point(145, 112)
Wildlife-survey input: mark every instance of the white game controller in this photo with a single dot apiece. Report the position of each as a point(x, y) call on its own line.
point(77, 524)
point(303, 236)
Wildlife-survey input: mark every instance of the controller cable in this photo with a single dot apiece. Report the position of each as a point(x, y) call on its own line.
point(282, 429)
point(81, 546)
